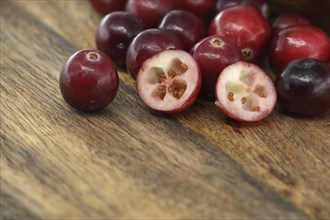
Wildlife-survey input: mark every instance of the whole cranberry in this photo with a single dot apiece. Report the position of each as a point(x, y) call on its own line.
point(213, 54)
point(89, 80)
point(286, 20)
point(148, 43)
point(150, 11)
point(245, 27)
point(115, 32)
point(297, 42)
point(303, 87)
point(185, 25)
point(204, 9)
point(107, 6)
point(261, 5)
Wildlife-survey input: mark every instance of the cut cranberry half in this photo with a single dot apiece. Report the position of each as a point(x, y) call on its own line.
point(169, 81)
point(245, 92)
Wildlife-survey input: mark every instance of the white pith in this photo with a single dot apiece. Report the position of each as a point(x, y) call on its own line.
point(147, 83)
point(245, 80)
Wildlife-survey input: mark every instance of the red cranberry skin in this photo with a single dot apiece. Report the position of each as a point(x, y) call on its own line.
point(297, 42)
point(303, 87)
point(245, 27)
point(147, 44)
point(213, 54)
point(261, 5)
point(185, 25)
point(203, 9)
point(115, 32)
point(286, 20)
point(107, 6)
point(89, 80)
point(150, 11)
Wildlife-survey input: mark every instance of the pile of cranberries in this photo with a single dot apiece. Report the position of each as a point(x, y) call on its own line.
point(179, 51)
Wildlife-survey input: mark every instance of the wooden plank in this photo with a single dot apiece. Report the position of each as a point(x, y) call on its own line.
point(129, 162)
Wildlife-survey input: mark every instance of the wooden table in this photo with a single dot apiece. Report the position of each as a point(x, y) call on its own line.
point(129, 162)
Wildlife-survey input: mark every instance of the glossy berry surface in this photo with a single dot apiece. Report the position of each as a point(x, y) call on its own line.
point(297, 42)
point(286, 20)
point(115, 32)
point(245, 92)
point(150, 11)
point(147, 44)
point(213, 54)
point(261, 5)
point(203, 9)
point(169, 81)
point(185, 25)
point(89, 80)
point(107, 6)
point(244, 26)
point(303, 88)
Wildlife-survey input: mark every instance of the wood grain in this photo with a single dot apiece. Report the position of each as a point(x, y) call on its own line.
point(129, 162)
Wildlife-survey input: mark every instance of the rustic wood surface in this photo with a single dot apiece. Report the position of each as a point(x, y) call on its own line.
point(129, 162)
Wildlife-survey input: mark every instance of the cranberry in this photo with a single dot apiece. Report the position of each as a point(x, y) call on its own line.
point(286, 20)
point(146, 44)
point(297, 42)
point(261, 5)
point(185, 25)
point(169, 81)
point(89, 80)
point(303, 87)
point(213, 54)
point(244, 26)
point(150, 11)
point(245, 92)
point(107, 6)
point(204, 9)
point(115, 32)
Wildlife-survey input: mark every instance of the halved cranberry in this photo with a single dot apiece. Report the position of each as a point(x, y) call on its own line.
point(169, 81)
point(146, 44)
point(89, 80)
point(115, 32)
point(245, 27)
point(185, 25)
point(297, 42)
point(245, 92)
point(107, 6)
point(150, 11)
point(213, 54)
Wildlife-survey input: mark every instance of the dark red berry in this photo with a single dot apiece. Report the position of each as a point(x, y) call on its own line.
point(150, 11)
point(303, 87)
point(107, 6)
point(213, 54)
point(261, 5)
point(286, 20)
point(244, 26)
point(89, 80)
point(297, 42)
point(115, 32)
point(204, 9)
point(148, 43)
point(185, 25)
